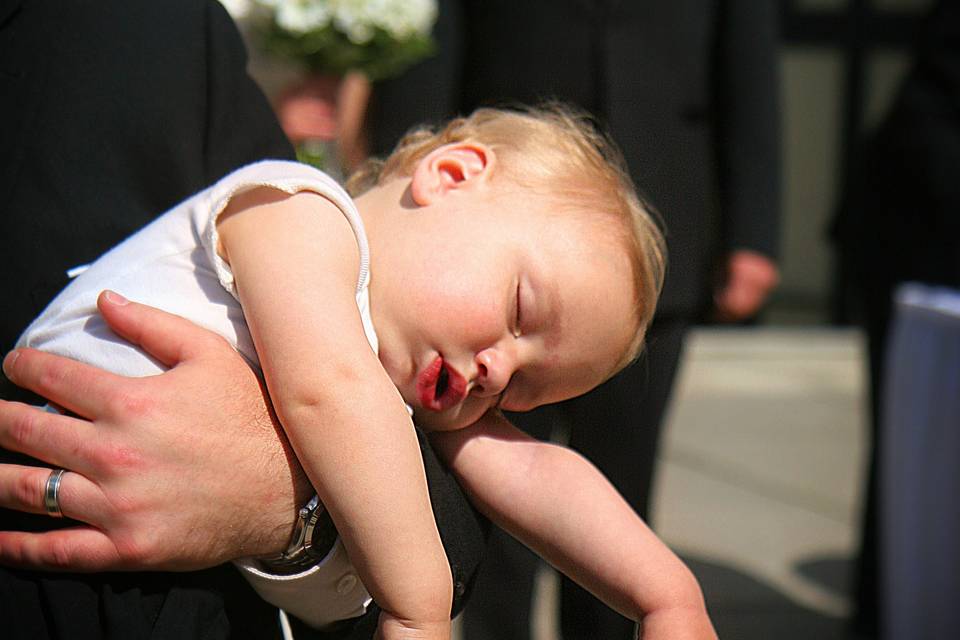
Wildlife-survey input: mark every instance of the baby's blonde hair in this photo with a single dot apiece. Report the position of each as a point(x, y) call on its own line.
point(556, 151)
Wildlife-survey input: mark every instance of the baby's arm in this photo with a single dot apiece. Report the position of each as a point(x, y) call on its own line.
point(295, 261)
point(559, 505)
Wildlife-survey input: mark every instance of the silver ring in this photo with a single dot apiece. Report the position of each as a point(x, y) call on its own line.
point(51, 494)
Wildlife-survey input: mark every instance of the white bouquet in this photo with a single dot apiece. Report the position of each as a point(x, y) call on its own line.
point(379, 38)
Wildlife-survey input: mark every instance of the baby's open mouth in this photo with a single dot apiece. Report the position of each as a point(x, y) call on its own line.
point(440, 386)
point(443, 380)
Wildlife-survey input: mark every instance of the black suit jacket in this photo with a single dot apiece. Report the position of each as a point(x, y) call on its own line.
point(108, 116)
point(687, 88)
point(110, 112)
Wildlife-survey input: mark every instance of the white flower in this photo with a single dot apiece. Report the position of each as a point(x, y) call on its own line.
point(408, 17)
point(357, 19)
point(302, 16)
point(351, 17)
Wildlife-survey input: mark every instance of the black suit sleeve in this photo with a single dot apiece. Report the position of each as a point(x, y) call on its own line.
point(240, 127)
point(749, 125)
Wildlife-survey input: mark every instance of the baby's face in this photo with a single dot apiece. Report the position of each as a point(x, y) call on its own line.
point(498, 303)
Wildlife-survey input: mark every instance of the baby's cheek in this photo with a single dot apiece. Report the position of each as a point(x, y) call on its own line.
point(444, 295)
point(477, 314)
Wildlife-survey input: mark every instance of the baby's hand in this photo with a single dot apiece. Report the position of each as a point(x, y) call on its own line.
point(393, 628)
point(677, 624)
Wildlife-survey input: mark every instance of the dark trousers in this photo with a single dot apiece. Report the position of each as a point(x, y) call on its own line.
point(616, 426)
point(878, 310)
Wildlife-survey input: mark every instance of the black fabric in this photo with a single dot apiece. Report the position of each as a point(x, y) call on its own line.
point(112, 111)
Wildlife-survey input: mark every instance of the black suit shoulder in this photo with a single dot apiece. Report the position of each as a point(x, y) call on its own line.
point(114, 110)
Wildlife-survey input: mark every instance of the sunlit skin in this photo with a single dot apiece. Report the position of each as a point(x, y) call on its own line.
point(528, 305)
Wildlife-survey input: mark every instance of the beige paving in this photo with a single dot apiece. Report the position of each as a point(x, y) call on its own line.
point(762, 460)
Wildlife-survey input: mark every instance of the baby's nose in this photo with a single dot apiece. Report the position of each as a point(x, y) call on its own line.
point(493, 373)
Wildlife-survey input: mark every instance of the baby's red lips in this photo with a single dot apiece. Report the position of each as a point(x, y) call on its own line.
point(440, 386)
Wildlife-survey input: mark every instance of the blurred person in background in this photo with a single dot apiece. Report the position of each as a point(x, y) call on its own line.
point(689, 90)
point(899, 221)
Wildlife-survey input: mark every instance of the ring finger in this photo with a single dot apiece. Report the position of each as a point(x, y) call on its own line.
point(22, 489)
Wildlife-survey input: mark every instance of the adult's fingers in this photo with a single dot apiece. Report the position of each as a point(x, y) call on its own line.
point(75, 386)
point(22, 489)
point(169, 338)
point(56, 439)
point(72, 549)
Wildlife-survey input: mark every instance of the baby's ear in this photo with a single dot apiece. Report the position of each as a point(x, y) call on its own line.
point(456, 166)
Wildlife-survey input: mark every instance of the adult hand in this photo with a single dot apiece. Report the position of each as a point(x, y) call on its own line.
point(748, 278)
point(178, 471)
point(331, 109)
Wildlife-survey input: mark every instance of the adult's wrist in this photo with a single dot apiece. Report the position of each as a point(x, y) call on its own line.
point(313, 537)
point(273, 505)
